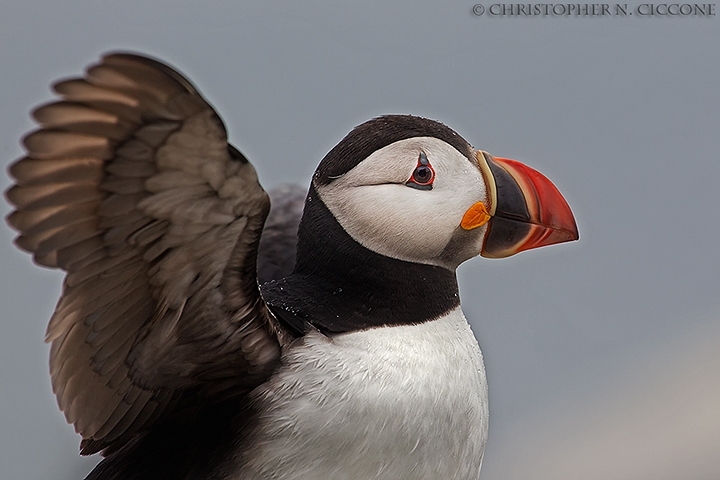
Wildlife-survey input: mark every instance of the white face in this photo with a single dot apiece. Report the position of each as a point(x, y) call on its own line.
point(376, 208)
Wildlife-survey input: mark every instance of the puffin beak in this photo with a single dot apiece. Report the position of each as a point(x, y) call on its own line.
point(526, 209)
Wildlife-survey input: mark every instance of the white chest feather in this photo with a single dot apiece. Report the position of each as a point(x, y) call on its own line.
point(404, 402)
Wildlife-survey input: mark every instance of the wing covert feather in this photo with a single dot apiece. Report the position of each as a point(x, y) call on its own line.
point(130, 186)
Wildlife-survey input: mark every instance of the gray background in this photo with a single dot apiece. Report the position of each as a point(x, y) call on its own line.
point(602, 355)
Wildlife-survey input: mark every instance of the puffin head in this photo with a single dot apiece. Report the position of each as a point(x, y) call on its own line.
point(412, 189)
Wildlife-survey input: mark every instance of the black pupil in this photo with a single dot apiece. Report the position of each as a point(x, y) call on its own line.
point(422, 174)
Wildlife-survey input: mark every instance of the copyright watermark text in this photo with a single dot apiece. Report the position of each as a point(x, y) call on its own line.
point(594, 10)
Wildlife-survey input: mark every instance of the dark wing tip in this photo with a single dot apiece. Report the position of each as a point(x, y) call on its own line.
point(278, 243)
point(120, 58)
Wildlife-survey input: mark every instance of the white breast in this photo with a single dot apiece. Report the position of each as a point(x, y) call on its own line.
point(402, 402)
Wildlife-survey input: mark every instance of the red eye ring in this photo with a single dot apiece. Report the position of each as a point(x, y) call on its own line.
point(423, 176)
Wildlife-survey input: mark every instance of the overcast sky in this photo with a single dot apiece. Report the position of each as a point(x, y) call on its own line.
point(602, 355)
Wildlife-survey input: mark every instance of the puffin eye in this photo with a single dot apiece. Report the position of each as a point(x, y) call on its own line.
point(423, 176)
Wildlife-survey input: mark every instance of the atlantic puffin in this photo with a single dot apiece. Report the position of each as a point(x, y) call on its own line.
point(173, 362)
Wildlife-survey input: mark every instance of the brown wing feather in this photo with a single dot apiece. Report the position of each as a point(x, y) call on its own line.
point(130, 186)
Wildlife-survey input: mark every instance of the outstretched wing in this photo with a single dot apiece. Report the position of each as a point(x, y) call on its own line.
point(130, 187)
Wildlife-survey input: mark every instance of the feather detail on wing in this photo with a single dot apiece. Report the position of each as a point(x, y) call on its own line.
point(130, 187)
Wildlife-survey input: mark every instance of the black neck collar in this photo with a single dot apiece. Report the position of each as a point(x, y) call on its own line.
point(340, 286)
